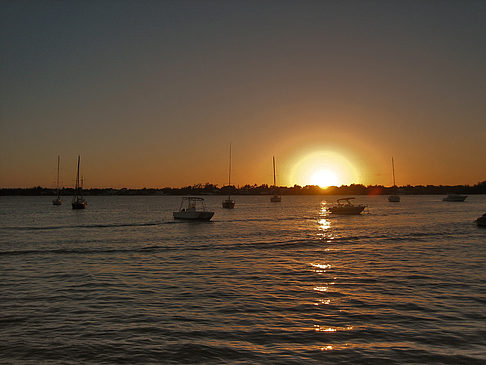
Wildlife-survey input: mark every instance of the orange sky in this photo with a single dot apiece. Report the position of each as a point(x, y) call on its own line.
point(150, 94)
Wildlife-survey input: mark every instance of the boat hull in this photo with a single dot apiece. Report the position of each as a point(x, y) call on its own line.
point(276, 199)
point(193, 215)
point(481, 221)
point(57, 202)
point(79, 204)
point(394, 199)
point(455, 198)
point(353, 210)
point(228, 204)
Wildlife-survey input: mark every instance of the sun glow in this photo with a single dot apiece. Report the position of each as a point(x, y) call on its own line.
point(324, 178)
point(324, 169)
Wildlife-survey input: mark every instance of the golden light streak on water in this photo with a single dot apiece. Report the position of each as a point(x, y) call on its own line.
point(319, 328)
point(321, 266)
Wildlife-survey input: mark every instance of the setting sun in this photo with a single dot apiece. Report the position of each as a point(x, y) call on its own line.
point(324, 169)
point(324, 178)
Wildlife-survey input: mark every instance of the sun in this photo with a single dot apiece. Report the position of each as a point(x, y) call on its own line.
point(324, 169)
point(324, 178)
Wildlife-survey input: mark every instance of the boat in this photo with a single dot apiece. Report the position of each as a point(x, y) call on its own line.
point(394, 198)
point(78, 201)
point(345, 207)
point(275, 198)
point(58, 200)
point(229, 203)
point(193, 208)
point(481, 221)
point(455, 198)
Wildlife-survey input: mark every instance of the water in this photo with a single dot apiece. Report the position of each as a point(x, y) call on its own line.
point(121, 282)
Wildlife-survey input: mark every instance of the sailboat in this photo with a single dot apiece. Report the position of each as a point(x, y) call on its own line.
point(229, 203)
point(275, 198)
point(58, 200)
point(394, 198)
point(78, 201)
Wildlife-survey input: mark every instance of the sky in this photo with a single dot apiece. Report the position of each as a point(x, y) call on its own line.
point(152, 93)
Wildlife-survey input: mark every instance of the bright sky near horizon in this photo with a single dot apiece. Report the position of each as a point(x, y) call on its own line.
point(151, 93)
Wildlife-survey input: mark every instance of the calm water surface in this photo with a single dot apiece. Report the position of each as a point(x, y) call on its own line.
point(121, 282)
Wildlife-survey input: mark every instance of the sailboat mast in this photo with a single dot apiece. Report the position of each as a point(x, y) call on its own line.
point(393, 169)
point(274, 180)
point(229, 175)
point(57, 182)
point(77, 178)
point(229, 172)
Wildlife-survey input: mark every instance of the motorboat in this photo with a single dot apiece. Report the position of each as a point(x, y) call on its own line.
point(455, 198)
point(193, 208)
point(481, 221)
point(345, 207)
point(78, 201)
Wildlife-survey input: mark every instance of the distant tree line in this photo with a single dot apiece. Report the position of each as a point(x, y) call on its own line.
point(211, 189)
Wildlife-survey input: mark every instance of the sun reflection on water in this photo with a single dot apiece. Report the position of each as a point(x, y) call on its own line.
point(319, 328)
point(321, 267)
point(324, 224)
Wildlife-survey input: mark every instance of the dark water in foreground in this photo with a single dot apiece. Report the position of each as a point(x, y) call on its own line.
point(265, 283)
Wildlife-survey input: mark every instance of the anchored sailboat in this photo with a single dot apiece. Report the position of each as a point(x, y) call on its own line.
point(78, 201)
point(275, 198)
point(394, 198)
point(58, 200)
point(229, 203)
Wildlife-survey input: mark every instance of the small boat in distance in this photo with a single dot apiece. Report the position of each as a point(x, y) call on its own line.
point(454, 198)
point(229, 203)
point(275, 198)
point(78, 200)
point(58, 200)
point(394, 198)
point(481, 221)
point(193, 208)
point(345, 207)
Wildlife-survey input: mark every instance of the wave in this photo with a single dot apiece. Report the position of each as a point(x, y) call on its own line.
point(87, 250)
point(109, 225)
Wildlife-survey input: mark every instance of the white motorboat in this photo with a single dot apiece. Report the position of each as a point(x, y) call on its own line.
point(481, 221)
point(345, 207)
point(193, 208)
point(455, 198)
